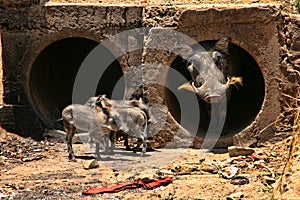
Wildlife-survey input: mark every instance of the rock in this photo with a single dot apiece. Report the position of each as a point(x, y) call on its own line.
point(228, 172)
point(91, 164)
point(235, 151)
point(239, 180)
point(235, 196)
point(3, 195)
point(267, 180)
point(209, 167)
point(28, 159)
point(55, 136)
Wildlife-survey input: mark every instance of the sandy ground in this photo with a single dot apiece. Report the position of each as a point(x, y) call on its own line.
point(41, 170)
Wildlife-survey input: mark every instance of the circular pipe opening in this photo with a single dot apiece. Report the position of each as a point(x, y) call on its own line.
point(54, 71)
point(244, 102)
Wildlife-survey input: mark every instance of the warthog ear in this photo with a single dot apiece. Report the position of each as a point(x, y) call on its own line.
point(189, 87)
point(222, 45)
point(102, 101)
point(234, 81)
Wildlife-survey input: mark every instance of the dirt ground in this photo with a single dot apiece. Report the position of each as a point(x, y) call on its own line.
point(41, 170)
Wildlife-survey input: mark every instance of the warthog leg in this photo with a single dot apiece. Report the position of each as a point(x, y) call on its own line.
point(97, 151)
point(140, 143)
point(70, 133)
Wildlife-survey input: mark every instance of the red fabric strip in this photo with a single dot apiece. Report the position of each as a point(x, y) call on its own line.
point(147, 184)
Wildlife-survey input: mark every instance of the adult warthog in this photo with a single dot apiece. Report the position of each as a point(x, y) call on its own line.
point(208, 71)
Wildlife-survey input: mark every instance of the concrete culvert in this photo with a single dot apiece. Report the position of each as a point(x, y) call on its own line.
point(244, 102)
point(54, 71)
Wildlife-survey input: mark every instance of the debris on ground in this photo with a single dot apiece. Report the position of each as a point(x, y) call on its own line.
point(228, 172)
point(235, 196)
point(13, 150)
point(268, 180)
point(239, 180)
point(58, 136)
point(2, 195)
point(91, 164)
point(42, 171)
point(235, 151)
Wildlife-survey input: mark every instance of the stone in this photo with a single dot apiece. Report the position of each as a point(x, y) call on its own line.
point(228, 172)
point(268, 180)
point(58, 136)
point(3, 195)
point(239, 180)
point(91, 164)
point(55, 136)
point(235, 151)
point(235, 196)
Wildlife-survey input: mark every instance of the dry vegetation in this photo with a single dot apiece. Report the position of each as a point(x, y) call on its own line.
point(292, 112)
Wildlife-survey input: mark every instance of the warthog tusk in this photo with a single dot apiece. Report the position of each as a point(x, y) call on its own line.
point(189, 87)
point(194, 87)
point(234, 81)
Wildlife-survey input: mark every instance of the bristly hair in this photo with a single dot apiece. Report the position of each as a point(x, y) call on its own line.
point(222, 45)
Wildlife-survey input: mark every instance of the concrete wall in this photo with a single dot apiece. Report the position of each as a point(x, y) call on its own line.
point(268, 36)
point(1, 73)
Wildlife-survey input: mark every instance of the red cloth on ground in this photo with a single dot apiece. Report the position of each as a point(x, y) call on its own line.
point(147, 184)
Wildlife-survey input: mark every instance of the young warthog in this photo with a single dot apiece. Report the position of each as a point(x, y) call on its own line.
point(86, 118)
point(130, 116)
point(101, 120)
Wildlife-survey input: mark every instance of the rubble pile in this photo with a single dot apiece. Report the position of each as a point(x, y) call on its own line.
point(14, 150)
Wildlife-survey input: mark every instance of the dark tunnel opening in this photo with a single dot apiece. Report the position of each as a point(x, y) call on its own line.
point(244, 102)
point(54, 71)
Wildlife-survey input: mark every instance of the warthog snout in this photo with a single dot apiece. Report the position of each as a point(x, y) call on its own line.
point(213, 99)
point(212, 91)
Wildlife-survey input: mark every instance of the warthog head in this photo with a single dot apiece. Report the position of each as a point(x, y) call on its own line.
point(208, 80)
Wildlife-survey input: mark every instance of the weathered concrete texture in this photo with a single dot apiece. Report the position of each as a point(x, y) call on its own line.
point(254, 29)
point(290, 50)
point(161, 16)
point(23, 40)
point(28, 31)
point(19, 3)
point(1, 73)
point(289, 66)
